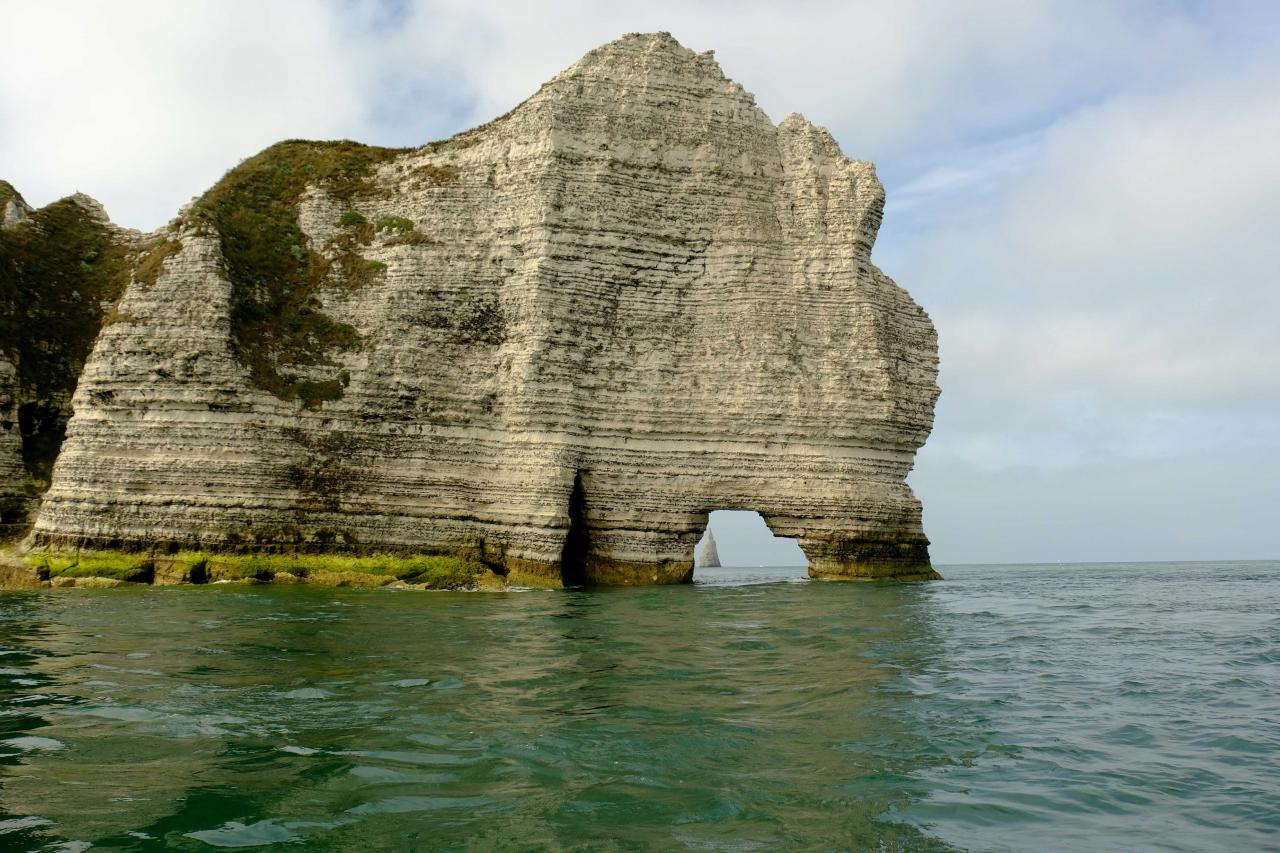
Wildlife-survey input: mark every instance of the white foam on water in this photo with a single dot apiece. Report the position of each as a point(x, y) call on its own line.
point(29, 743)
point(18, 824)
point(236, 834)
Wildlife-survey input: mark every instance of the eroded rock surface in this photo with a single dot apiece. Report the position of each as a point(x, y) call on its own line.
point(556, 341)
point(13, 207)
point(62, 267)
point(14, 497)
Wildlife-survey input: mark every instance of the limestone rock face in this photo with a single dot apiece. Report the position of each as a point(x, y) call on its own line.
point(707, 555)
point(61, 269)
point(14, 497)
point(13, 207)
point(557, 341)
point(13, 490)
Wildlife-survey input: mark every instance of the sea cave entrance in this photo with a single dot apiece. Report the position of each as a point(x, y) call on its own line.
point(747, 551)
point(577, 542)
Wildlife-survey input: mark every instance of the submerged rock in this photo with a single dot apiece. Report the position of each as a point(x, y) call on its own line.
point(552, 343)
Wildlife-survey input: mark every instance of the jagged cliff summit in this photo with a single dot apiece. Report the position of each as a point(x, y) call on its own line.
point(555, 342)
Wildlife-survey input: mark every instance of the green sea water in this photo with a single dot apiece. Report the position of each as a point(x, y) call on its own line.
point(1063, 707)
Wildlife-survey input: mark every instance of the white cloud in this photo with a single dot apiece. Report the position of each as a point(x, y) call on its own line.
point(1111, 316)
point(1136, 259)
point(143, 105)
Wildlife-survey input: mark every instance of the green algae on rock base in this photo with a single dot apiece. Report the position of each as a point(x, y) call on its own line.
point(71, 568)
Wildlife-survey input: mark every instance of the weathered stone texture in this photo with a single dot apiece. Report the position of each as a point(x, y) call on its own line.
point(13, 207)
point(14, 498)
point(61, 268)
point(634, 281)
point(13, 485)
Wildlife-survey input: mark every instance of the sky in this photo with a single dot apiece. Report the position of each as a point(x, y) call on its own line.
point(1084, 196)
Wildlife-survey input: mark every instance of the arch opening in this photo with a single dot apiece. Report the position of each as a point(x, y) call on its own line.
point(747, 551)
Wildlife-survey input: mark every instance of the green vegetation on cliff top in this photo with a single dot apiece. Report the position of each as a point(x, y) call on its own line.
point(57, 270)
point(277, 322)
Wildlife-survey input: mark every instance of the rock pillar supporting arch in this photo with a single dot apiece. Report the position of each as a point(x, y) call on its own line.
point(869, 559)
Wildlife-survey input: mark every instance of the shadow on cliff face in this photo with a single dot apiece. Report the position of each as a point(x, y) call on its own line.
point(577, 543)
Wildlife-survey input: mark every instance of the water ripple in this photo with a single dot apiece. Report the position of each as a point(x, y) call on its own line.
point(1123, 707)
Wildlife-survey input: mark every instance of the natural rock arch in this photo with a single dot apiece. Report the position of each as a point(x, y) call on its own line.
point(746, 531)
point(634, 288)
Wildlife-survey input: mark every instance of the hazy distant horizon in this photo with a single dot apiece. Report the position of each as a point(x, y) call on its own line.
point(744, 540)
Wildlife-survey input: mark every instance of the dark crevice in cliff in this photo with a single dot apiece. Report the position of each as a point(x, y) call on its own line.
point(43, 427)
point(577, 542)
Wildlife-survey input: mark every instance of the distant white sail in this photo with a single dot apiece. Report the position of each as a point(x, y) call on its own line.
point(706, 556)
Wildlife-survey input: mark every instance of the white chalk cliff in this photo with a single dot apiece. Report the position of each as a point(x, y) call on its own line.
point(13, 477)
point(557, 341)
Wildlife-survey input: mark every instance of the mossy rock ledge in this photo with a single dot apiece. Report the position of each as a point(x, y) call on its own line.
point(547, 348)
point(106, 569)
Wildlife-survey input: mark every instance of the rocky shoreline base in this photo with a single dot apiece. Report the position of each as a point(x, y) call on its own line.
point(99, 569)
point(106, 569)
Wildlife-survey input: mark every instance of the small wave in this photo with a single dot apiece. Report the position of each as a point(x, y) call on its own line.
point(400, 805)
point(237, 834)
point(18, 824)
point(406, 682)
point(31, 743)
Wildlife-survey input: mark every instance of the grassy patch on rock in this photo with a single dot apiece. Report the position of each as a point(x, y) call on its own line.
point(430, 174)
point(276, 319)
point(393, 223)
point(149, 266)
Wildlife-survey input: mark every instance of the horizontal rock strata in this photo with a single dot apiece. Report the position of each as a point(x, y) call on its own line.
point(14, 498)
point(61, 269)
point(555, 342)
